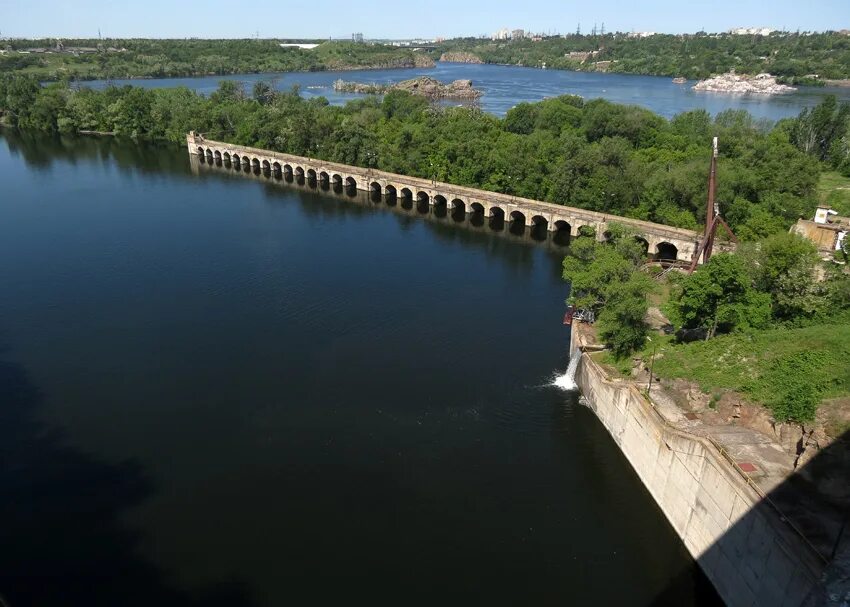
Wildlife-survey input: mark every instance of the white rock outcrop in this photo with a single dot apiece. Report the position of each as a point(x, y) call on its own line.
point(761, 84)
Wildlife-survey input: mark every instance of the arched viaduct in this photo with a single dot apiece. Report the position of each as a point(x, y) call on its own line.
point(664, 242)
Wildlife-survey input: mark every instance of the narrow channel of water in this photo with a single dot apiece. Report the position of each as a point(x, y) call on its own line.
point(225, 390)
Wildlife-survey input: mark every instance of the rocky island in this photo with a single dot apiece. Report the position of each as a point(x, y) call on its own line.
point(460, 57)
point(761, 84)
point(426, 86)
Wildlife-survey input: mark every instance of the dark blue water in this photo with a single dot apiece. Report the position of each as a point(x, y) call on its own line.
point(221, 390)
point(505, 86)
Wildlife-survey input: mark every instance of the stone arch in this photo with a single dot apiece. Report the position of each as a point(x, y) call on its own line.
point(666, 251)
point(299, 172)
point(226, 156)
point(497, 213)
point(644, 243)
point(209, 154)
point(540, 222)
point(476, 207)
point(390, 191)
point(375, 187)
point(337, 178)
point(517, 217)
point(562, 226)
point(324, 177)
point(422, 197)
point(440, 201)
point(276, 167)
point(458, 205)
point(406, 194)
point(311, 174)
point(267, 165)
point(255, 162)
point(236, 159)
point(201, 151)
point(350, 182)
point(217, 155)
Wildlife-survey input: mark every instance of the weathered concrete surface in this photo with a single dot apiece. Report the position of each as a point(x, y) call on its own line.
point(751, 555)
point(555, 217)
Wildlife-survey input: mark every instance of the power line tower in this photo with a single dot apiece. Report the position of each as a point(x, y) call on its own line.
point(712, 216)
point(578, 29)
point(603, 28)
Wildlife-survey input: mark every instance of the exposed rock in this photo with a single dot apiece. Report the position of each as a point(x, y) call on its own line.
point(425, 86)
point(761, 84)
point(460, 57)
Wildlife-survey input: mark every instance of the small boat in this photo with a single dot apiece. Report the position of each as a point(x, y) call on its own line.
point(679, 80)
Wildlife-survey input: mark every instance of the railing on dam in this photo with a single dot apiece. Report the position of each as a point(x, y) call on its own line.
point(664, 242)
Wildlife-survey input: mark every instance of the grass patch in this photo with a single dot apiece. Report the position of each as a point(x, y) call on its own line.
point(834, 190)
point(789, 370)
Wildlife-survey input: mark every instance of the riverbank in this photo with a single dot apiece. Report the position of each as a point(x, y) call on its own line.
point(747, 547)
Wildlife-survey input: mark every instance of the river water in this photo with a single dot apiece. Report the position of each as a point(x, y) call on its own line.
point(505, 86)
point(221, 389)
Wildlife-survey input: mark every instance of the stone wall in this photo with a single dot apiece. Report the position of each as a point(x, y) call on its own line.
point(750, 555)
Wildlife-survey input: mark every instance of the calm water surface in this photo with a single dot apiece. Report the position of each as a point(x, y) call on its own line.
point(505, 86)
point(220, 390)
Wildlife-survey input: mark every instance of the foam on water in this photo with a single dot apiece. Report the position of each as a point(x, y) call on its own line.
point(567, 380)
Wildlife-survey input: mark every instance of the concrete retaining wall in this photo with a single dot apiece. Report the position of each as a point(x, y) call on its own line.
point(738, 539)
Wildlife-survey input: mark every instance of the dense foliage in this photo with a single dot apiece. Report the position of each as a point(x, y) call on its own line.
point(148, 58)
point(597, 155)
point(792, 56)
point(605, 278)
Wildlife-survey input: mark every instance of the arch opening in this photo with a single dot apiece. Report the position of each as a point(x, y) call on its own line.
point(666, 251)
point(311, 174)
point(644, 243)
point(539, 228)
point(562, 232)
point(422, 198)
point(236, 159)
point(266, 165)
point(217, 155)
point(299, 172)
point(200, 151)
point(350, 182)
point(458, 209)
point(375, 191)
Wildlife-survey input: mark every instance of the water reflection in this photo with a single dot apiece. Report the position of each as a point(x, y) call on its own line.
point(516, 231)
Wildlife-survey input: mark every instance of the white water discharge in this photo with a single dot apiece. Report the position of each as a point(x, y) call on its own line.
point(567, 380)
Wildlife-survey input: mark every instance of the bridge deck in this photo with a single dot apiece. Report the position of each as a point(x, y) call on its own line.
point(685, 240)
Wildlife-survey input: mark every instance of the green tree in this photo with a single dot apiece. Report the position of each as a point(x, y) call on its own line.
point(719, 297)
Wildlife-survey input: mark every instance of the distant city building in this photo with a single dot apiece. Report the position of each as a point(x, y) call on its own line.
point(751, 31)
point(502, 34)
point(641, 34)
point(357, 37)
point(518, 34)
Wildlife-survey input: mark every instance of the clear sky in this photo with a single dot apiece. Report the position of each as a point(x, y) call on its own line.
point(400, 19)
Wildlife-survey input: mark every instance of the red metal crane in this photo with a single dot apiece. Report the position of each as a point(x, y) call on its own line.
point(712, 216)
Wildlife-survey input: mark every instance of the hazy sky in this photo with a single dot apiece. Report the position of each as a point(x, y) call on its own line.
point(399, 19)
